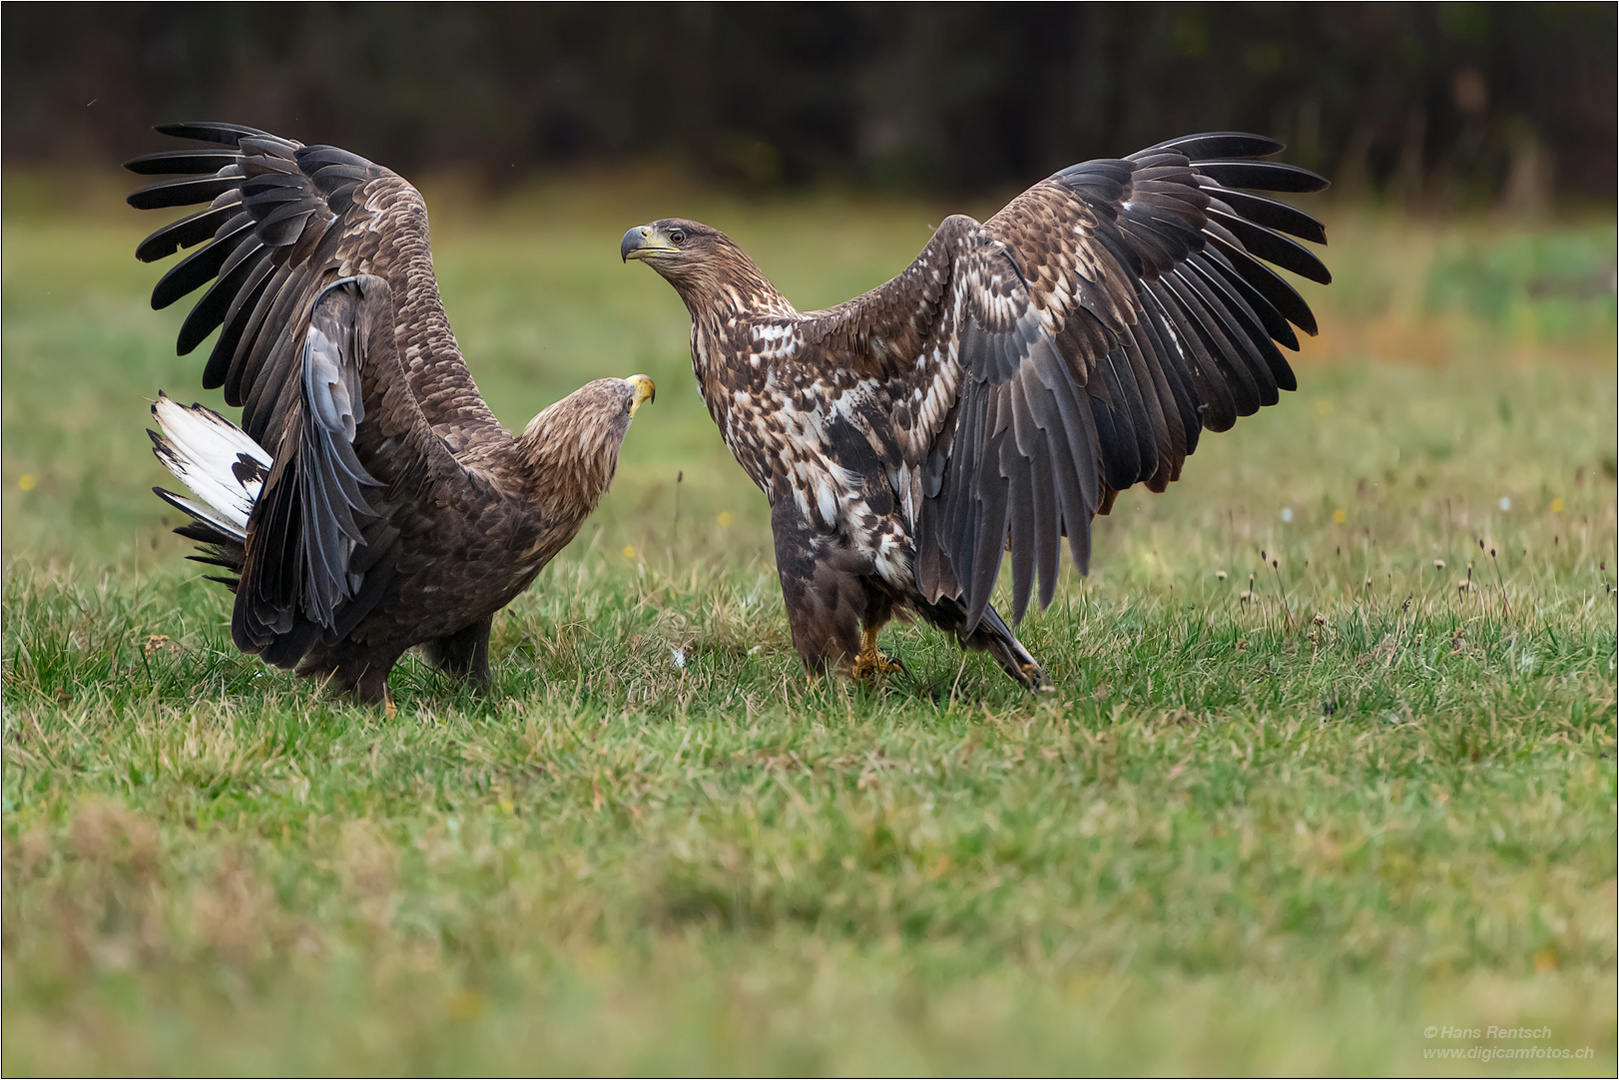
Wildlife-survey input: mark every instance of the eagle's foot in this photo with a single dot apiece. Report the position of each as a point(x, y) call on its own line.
point(871, 662)
point(389, 709)
point(869, 665)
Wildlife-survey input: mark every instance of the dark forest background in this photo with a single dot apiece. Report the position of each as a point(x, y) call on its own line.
point(1442, 104)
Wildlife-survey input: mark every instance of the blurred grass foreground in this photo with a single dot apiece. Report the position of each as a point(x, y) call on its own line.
point(1330, 765)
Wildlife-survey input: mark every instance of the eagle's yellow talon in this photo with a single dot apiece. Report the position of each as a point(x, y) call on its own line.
point(389, 709)
point(871, 662)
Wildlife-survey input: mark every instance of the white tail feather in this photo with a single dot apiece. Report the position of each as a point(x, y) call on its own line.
point(202, 449)
point(203, 512)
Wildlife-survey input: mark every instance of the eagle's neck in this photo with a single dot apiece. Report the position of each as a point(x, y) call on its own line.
point(724, 285)
point(567, 463)
point(727, 298)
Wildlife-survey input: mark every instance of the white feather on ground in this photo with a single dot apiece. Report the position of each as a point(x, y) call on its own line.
point(202, 449)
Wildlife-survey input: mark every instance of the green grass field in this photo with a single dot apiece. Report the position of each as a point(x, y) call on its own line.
point(1330, 763)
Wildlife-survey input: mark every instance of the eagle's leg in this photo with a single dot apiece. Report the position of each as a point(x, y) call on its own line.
point(465, 653)
point(821, 588)
point(372, 688)
point(367, 683)
point(353, 670)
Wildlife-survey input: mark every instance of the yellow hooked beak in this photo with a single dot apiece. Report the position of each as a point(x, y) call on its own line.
point(641, 391)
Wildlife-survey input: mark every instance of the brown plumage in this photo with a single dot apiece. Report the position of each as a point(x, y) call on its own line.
point(370, 501)
point(999, 392)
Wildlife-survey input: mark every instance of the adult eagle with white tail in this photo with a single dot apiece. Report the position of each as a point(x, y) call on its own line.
point(370, 501)
point(1002, 390)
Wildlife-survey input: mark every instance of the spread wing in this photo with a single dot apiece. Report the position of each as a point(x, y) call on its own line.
point(1076, 344)
point(361, 488)
point(279, 222)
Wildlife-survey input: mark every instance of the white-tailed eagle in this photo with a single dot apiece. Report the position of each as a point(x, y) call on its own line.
point(999, 392)
point(370, 502)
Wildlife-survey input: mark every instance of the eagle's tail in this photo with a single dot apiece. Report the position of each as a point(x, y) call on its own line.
point(222, 466)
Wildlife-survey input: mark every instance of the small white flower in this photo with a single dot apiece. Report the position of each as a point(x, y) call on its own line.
point(1506, 504)
point(1287, 513)
point(677, 657)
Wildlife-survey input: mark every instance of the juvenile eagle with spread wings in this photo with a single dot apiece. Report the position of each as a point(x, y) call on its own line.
point(370, 502)
point(1002, 390)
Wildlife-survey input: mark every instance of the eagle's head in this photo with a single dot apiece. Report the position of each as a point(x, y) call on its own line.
point(699, 261)
point(597, 415)
point(574, 443)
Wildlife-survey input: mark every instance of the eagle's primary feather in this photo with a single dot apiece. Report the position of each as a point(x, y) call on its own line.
point(370, 501)
point(997, 394)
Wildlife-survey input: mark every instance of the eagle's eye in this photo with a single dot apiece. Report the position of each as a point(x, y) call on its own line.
point(678, 236)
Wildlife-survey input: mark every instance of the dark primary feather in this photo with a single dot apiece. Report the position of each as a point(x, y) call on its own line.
point(1261, 176)
point(1271, 214)
point(198, 268)
point(1219, 144)
point(1273, 291)
point(1274, 247)
point(183, 192)
point(180, 161)
point(187, 232)
point(210, 131)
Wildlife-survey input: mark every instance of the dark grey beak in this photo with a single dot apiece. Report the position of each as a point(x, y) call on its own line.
point(634, 240)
